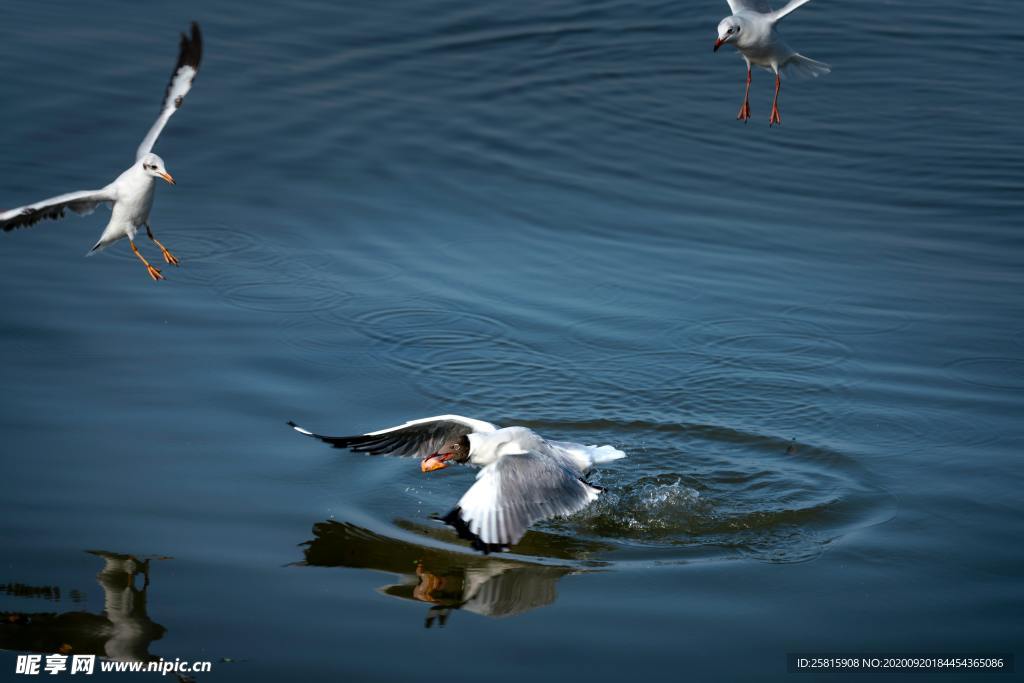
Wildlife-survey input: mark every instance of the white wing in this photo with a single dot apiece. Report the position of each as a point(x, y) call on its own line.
point(792, 5)
point(181, 82)
point(84, 202)
point(417, 437)
point(750, 6)
point(514, 492)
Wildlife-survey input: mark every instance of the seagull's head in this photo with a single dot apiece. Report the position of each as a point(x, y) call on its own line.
point(729, 30)
point(455, 450)
point(154, 166)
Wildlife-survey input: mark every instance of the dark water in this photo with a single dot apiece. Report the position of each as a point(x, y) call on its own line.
point(809, 339)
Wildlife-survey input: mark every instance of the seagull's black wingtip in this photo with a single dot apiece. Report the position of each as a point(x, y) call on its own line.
point(454, 520)
point(191, 48)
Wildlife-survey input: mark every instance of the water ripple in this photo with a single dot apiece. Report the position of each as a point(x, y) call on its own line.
point(284, 296)
point(1006, 374)
point(428, 327)
point(766, 345)
point(686, 492)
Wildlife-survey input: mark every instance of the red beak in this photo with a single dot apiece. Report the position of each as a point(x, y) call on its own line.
point(718, 43)
point(434, 462)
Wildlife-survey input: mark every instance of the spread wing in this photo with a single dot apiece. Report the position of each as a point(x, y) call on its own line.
point(181, 82)
point(750, 6)
point(790, 6)
point(84, 202)
point(513, 493)
point(762, 7)
point(417, 437)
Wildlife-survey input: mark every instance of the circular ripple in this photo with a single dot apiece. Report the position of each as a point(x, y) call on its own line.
point(768, 345)
point(846, 317)
point(429, 327)
point(619, 332)
point(693, 387)
point(212, 243)
point(284, 297)
point(777, 401)
point(523, 383)
point(686, 492)
point(702, 490)
point(1006, 374)
point(316, 341)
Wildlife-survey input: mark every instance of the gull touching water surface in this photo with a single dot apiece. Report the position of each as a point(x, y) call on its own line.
point(131, 194)
point(524, 477)
point(751, 30)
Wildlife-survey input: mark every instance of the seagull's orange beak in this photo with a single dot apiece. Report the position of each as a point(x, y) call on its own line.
point(434, 462)
point(718, 43)
point(167, 176)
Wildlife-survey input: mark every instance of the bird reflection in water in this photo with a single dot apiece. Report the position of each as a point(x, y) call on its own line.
point(123, 631)
point(491, 585)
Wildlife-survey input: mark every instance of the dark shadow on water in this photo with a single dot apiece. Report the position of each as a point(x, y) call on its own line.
point(123, 631)
point(447, 580)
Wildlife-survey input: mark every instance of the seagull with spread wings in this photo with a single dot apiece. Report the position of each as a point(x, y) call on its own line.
point(523, 479)
point(130, 196)
point(751, 30)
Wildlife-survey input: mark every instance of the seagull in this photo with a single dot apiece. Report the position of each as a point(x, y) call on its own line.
point(131, 193)
point(523, 479)
point(751, 30)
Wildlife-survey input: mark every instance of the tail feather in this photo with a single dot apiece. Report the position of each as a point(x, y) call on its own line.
point(602, 454)
point(586, 457)
point(804, 67)
point(99, 246)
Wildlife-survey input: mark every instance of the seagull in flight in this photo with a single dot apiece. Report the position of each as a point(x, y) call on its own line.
point(524, 478)
point(131, 194)
point(751, 30)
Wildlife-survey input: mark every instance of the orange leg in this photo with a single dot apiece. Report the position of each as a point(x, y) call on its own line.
point(775, 118)
point(745, 109)
point(153, 272)
point(168, 256)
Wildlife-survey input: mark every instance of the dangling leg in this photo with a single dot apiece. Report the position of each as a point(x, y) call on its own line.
point(153, 272)
point(775, 118)
point(745, 109)
point(168, 256)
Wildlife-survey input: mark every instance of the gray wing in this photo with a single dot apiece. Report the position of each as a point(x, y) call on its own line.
point(790, 6)
point(84, 202)
point(750, 6)
point(181, 82)
point(515, 492)
point(417, 437)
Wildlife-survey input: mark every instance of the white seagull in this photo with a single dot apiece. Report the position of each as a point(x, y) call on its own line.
point(751, 30)
point(131, 194)
point(524, 477)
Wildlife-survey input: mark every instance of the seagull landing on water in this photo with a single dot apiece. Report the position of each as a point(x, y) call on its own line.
point(524, 477)
point(131, 194)
point(751, 30)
